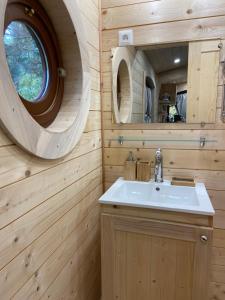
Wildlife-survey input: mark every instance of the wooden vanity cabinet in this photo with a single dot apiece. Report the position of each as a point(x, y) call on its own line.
point(154, 255)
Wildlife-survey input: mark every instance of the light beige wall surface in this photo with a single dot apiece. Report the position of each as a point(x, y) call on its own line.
point(165, 21)
point(49, 214)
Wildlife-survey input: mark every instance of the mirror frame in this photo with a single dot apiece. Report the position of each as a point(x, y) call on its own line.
point(118, 56)
point(219, 117)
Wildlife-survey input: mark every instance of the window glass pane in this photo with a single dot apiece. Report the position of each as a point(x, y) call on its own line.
point(26, 60)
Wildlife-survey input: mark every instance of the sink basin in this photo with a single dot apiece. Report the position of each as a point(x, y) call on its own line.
point(162, 196)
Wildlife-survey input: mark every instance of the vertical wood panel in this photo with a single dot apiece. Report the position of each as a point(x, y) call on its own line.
point(202, 81)
point(162, 283)
point(139, 254)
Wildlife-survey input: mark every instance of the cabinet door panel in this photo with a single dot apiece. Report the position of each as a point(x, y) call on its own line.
point(184, 270)
point(132, 266)
point(151, 260)
point(172, 269)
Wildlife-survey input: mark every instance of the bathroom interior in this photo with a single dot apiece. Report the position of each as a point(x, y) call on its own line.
point(112, 150)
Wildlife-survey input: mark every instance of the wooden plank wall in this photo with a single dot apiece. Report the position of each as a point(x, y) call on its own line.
point(49, 214)
point(162, 21)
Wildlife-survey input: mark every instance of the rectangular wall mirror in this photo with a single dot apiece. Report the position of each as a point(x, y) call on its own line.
point(171, 83)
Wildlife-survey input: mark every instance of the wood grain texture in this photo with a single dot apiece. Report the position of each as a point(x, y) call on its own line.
point(200, 159)
point(151, 259)
point(153, 214)
point(63, 134)
point(112, 3)
point(203, 75)
point(143, 170)
point(130, 170)
point(150, 12)
point(188, 21)
point(50, 243)
point(152, 138)
point(181, 31)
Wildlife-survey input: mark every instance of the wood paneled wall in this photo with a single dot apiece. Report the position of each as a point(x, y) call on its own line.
point(163, 21)
point(49, 214)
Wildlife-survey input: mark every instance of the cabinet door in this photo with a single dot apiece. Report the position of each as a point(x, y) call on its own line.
point(203, 75)
point(152, 260)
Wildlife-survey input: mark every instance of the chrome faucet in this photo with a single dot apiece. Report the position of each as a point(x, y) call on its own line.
point(158, 166)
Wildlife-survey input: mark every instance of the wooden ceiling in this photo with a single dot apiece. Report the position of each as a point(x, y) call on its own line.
point(162, 59)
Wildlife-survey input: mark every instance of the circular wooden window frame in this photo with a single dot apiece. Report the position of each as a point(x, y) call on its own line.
point(121, 55)
point(52, 142)
point(45, 110)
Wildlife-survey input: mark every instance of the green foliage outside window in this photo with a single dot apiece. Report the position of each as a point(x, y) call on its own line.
point(24, 60)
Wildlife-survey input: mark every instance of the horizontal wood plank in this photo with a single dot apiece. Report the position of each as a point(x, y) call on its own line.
point(218, 220)
point(43, 186)
point(187, 30)
point(172, 158)
point(32, 225)
point(218, 256)
point(15, 165)
point(166, 139)
point(214, 180)
point(216, 291)
point(219, 238)
point(163, 11)
point(80, 270)
point(37, 285)
point(108, 124)
point(71, 230)
point(112, 3)
point(218, 273)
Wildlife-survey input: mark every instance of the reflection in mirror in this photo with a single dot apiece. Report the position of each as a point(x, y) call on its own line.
point(123, 92)
point(159, 83)
point(118, 91)
point(148, 100)
point(169, 64)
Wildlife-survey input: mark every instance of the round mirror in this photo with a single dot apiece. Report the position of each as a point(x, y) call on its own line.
point(123, 91)
point(122, 86)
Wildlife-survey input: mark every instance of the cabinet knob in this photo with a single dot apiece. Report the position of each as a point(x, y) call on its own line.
point(204, 239)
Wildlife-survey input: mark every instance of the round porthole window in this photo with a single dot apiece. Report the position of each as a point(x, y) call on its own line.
point(34, 59)
point(45, 75)
point(27, 61)
point(122, 85)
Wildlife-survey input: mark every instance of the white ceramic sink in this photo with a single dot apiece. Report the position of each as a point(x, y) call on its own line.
point(163, 196)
